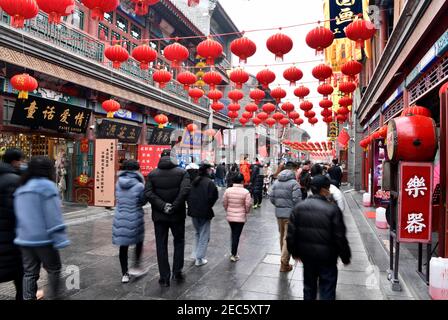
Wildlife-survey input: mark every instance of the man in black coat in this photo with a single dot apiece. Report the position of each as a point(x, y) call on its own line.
point(335, 173)
point(167, 189)
point(220, 174)
point(10, 258)
point(256, 184)
point(316, 235)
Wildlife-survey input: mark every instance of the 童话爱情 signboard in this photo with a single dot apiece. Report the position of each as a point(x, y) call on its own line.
point(415, 202)
point(105, 159)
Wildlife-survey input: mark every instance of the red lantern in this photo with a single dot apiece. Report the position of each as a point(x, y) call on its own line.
point(232, 115)
point(327, 119)
point(288, 107)
point(192, 127)
point(293, 75)
point(351, 68)
point(293, 115)
point(193, 3)
point(279, 44)
point(243, 48)
point(301, 92)
point(298, 121)
point(239, 77)
point(416, 111)
point(210, 50)
point(251, 107)
point(347, 87)
point(24, 83)
point(145, 55)
point(270, 122)
point(234, 107)
point(110, 106)
point(247, 115)
point(20, 10)
point(256, 121)
point(341, 118)
point(257, 95)
point(322, 72)
point(325, 89)
point(376, 135)
point(278, 94)
point(235, 95)
point(364, 143)
point(99, 7)
point(345, 101)
point(215, 95)
point(359, 31)
point(196, 94)
point(310, 114)
point(343, 110)
point(266, 77)
point(262, 116)
point(142, 6)
point(210, 132)
point(187, 79)
point(84, 146)
point(56, 9)
point(117, 54)
point(306, 105)
point(383, 132)
point(284, 122)
point(326, 113)
point(212, 78)
point(312, 121)
point(161, 119)
point(325, 103)
point(243, 121)
point(217, 106)
point(162, 77)
point(319, 38)
point(268, 108)
point(176, 53)
point(278, 116)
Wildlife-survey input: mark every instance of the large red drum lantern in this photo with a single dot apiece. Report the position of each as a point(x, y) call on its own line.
point(416, 111)
point(412, 138)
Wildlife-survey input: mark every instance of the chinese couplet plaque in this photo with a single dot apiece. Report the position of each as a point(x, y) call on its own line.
point(415, 202)
point(149, 156)
point(105, 159)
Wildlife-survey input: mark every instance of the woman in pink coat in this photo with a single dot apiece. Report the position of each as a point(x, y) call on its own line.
point(237, 202)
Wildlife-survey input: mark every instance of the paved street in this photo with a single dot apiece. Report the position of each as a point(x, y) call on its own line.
point(255, 276)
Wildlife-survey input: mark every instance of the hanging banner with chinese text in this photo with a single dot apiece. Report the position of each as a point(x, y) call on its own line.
point(342, 13)
point(415, 202)
point(105, 161)
point(149, 156)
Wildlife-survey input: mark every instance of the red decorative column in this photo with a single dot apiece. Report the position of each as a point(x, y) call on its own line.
point(443, 229)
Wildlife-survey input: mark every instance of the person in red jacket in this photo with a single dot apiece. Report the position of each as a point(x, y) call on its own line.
point(245, 171)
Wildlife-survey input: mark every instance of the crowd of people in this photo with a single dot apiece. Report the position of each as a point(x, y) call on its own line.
point(307, 200)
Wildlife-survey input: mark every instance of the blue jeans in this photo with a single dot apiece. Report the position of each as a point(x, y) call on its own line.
point(220, 182)
point(202, 227)
point(327, 276)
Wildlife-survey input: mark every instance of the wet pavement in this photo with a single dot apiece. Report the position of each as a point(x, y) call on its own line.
point(255, 277)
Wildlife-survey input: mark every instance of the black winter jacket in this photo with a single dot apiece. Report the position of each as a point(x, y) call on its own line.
point(10, 257)
point(167, 184)
point(316, 232)
point(220, 171)
point(203, 196)
point(257, 179)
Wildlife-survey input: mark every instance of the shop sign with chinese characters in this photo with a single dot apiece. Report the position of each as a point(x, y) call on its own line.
point(342, 13)
point(149, 156)
point(415, 202)
point(125, 133)
point(37, 112)
point(105, 161)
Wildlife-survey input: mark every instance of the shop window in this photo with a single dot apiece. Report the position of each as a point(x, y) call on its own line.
point(109, 17)
point(76, 19)
point(8, 108)
point(105, 30)
point(122, 23)
point(136, 32)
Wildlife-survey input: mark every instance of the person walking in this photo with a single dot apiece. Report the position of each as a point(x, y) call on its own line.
point(203, 196)
point(40, 229)
point(256, 184)
point(317, 236)
point(335, 194)
point(220, 174)
point(237, 202)
point(129, 225)
point(336, 173)
point(11, 268)
point(304, 178)
point(233, 172)
point(167, 189)
point(284, 195)
point(245, 171)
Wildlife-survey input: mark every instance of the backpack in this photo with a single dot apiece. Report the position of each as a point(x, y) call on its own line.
point(304, 179)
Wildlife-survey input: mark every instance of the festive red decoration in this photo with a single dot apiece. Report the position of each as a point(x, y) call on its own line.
point(99, 7)
point(239, 77)
point(364, 143)
point(325, 103)
point(212, 78)
point(232, 115)
point(217, 106)
point(301, 92)
point(210, 132)
point(161, 119)
point(376, 135)
point(306, 105)
point(322, 72)
point(341, 118)
point(193, 3)
point(235, 95)
point(383, 132)
point(243, 48)
point(262, 116)
point(266, 77)
point(278, 94)
point(347, 87)
point(310, 114)
point(187, 79)
point(84, 145)
point(345, 101)
point(176, 53)
point(325, 89)
point(288, 107)
point(416, 111)
point(20, 10)
point(256, 121)
point(117, 54)
point(243, 121)
point(24, 83)
point(270, 122)
point(312, 121)
point(293, 115)
point(251, 107)
point(278, 116)
point(162, 77)
point(351, 68)
point(327, 119)
point(326, 113)
point(279, 44)
point(210, 50)
point(145, 55)
point(284, 122)
point(56, 9)
point(343, 110)
point(319, 38)
point(234, 107)
point(196, 94)
point(359, 31)
point(192, 127)
point(215, 95)
point(293, 75)
point(110, 106)
point(268, 108)
point(247, 115)
point(257, 95)
point(142, 6)
point(298, 121)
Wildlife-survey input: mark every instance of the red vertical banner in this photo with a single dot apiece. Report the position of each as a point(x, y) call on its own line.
point(415, 202)
point(149, 156)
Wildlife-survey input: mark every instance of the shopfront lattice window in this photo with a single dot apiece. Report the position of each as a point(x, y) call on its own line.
point(395, 108)
point(8, 108)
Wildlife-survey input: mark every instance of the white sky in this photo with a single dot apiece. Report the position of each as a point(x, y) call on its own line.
point(259, 14)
